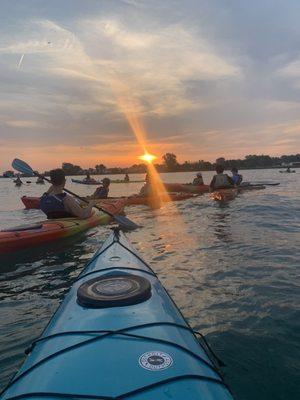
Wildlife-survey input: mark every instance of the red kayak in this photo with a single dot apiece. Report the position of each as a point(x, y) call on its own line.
point(231, 193)
point(50, 230)
point(224, 194)
point(164, 198)
point(34, 202)
point(186, 188)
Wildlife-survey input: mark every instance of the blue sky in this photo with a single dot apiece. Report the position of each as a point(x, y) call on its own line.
point(206, 78)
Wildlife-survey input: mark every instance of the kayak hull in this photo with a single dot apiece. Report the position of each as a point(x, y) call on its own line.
point(86, 183)
point(34, 202)
point(164, 198)
point(137, 352)
point(186, 188)
point(48, 231)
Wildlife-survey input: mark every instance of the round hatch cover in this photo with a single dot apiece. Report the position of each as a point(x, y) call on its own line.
point(114, 291)
point(155, 360)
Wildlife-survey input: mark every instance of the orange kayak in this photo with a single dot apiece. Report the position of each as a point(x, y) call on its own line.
point(34, 202)
point(23, 237)
point(231, 193)
point(186, 188)
point(224, 194)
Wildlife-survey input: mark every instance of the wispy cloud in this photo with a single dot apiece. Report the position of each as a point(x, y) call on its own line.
point(197, 76)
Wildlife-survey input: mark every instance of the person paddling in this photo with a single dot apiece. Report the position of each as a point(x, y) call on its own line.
point(57, 204)
point(40, 180)
point(221, 180)
point(88, 178)
point(236, 177)
point(18, 181)
point(102, 191)
point(198, 181)
point(149, 188)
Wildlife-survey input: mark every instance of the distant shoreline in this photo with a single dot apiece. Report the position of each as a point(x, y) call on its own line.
point(161, 172)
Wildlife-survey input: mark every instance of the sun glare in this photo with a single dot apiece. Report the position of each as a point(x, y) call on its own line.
point(148, 158)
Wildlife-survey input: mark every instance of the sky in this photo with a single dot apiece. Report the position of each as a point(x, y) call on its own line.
point(203, 78)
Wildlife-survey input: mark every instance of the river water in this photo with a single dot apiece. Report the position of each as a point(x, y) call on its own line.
point(232, 269)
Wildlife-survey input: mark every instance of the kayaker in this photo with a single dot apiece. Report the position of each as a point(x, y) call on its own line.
point(149, 188)
point(126, 178)
point(236, 177)
point(18, 181)
point(198, 180)
point(102, 191)
point(40, 180)
point(57, 204)
point(88, 178)
point(288, 169)
point(221, 180)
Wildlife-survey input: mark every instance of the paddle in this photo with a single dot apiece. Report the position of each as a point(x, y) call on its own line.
point(260, 183)
point(24, 168)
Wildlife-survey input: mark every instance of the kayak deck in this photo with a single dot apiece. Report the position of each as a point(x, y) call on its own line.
point(224, 194)
point(138, 352)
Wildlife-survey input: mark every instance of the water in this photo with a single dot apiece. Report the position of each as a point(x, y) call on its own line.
point(232, 269)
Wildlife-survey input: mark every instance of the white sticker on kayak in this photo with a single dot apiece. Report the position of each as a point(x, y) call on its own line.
point(155, 360)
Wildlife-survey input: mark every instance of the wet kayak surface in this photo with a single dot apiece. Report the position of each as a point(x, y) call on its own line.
point(232, 269)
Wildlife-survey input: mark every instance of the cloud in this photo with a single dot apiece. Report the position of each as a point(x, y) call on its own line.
point(291, 71)
point(155, 66)
point(200, 78)
point(24, 124)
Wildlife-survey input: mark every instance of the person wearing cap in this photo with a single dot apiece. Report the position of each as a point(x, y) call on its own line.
point(236, 177)
point(198, 180)
point(102, 191)
point(57, 204)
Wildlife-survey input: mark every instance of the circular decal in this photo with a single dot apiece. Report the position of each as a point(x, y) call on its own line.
point(155, 360)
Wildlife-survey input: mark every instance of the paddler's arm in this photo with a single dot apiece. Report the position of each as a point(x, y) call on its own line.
point(231, 181)
point(74, 208)
point(50, 189)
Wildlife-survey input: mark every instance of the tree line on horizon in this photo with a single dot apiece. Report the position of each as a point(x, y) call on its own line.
point(170, 164)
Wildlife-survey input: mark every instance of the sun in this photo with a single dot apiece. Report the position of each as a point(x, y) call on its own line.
point(148, 158)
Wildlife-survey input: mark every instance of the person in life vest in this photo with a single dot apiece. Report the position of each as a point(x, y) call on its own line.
point(149, 188)
point(102, 191)
point(198, 180)
point(57, 204)
point(221, 180)
point(236, 177)
point(126, 178)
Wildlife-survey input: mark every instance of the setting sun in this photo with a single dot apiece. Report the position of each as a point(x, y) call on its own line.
point(148, 158)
